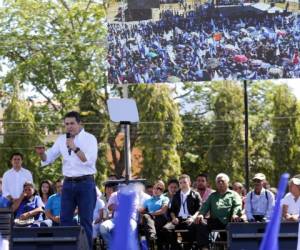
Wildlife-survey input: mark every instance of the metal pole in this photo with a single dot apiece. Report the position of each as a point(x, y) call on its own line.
point(246, 147)
point(127, 153)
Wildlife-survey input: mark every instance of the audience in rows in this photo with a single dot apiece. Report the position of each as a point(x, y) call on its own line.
point(158, 210)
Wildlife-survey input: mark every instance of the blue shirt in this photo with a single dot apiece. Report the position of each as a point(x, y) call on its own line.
point(29, 205)
point(54, 204)
point(155, 203)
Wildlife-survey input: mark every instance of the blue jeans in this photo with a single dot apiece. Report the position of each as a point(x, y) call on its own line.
point(81, 194)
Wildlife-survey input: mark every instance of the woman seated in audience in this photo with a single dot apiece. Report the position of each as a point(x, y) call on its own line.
point(291, 201)
point(45, 191)
point(29, 207)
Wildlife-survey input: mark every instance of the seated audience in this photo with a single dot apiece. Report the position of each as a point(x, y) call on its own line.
point(29, 205)
point(183, 211)
point(203, 187)
point(260, 201)
point(291, 202)
point(223, 206)
point(149, 189)
point(53, 207)
point(97, 217)
point(3, 201)
point(45, 190)
point(239, 188)
point(173, 186)
point(154, 217)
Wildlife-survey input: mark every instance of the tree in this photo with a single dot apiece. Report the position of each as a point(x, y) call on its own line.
point(56, 48)
point(21, 133)
point(160, 131)
point(226, 149)
point(260, 129)
point(193, 149)
point(284, 146)
point(94, 117)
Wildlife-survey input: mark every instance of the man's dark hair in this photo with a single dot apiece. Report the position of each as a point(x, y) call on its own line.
point(16, 154)
point(173, 181)
point(202, 175)
point(73, 114)
point(59, 180)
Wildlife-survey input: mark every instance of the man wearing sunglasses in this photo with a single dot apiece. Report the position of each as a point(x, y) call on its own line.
point(155, 217)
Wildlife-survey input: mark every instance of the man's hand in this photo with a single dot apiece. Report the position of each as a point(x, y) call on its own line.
point(25, 216)
point(175, 221)
point(98, 220)
point(56, 219)
point(199, 219)
point(23, 195)
point(70, 144)
point(235, 218)
point(189, 221)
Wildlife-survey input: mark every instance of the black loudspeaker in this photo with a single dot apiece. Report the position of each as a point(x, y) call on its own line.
point(6, 219)
point(49, 238)
point(248, 236)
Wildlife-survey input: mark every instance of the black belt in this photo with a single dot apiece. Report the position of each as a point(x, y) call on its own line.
point(79, 178)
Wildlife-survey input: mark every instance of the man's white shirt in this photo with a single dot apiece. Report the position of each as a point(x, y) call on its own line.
point(293, 206)
point(261, 204)
point(72, 165)
point(184, 213)
point(13, 181)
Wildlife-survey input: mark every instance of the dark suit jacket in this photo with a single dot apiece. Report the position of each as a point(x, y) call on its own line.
point(193, 202)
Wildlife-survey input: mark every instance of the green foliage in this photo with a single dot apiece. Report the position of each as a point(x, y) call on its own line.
point(260, 130)
point(57, 49)
point(160, 131)
point(21, 133)
point(226, 149)
point(55, 46)
point(94, 117)
point(285, 147)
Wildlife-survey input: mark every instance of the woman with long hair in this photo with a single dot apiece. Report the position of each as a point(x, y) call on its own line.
point(45, 190)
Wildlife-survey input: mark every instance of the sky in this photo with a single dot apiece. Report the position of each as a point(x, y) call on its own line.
point(294, 84)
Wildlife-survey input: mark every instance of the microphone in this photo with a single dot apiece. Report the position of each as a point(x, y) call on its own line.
point(68, 135)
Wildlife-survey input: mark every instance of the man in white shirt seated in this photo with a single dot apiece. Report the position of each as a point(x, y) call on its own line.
point(97, 217)
point(260, 201)
point(14, 178)
point(291, 202)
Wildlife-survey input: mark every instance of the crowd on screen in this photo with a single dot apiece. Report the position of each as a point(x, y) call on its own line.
point(191, 46)
point(218, 2)
point(159, 208)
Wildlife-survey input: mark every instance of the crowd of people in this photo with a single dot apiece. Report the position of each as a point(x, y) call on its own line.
point(199, 45)
point(159, 209)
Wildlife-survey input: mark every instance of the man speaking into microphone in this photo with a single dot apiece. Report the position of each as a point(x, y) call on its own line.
point(79, 152)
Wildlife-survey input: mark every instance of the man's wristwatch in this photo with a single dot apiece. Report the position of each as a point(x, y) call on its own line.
point(76, 150)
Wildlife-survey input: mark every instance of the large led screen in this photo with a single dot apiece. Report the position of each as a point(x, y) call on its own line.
point(202, 41)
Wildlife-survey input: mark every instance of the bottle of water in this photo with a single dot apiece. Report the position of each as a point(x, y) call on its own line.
point(144, 245)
